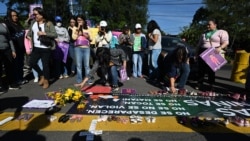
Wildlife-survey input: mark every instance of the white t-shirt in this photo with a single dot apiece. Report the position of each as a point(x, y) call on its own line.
point(156, 45)
point(35, 29)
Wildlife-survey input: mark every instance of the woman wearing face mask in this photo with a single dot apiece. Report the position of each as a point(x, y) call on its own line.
point(61, 51)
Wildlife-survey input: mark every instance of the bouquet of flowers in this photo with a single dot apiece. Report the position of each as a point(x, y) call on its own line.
point(68, 95)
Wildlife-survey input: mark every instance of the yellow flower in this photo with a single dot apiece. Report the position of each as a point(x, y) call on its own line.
point(80, 106)
point(69, 91)
point(75, 98)
point(66, 98)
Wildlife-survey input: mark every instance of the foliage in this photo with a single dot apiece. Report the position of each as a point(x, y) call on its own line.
point(68, 95)
point(232, 16)
point(118, 13)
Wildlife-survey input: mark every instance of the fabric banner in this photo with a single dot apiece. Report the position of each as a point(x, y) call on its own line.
point(163, 105)
point(214, 60)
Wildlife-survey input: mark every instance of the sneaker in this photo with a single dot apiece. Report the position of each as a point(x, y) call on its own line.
point(127, 78)
point(90, 82)
point(61, 77)
point(14, 87)
point(197, 87)
point(36, 79)
point(65, 76)
point(238, 121)
point(115, 88)
point(72, 74)
point(23, 82)
point(106, 84)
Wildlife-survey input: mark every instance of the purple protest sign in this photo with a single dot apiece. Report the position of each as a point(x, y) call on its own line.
point(123, 74)
point(214, 60)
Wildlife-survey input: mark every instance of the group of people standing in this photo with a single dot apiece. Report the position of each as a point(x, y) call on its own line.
point(72, 48)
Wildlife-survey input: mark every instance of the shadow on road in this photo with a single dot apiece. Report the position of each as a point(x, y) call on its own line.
point(30, 133)
point(214, 131)
point(13, 103)
point(76, 136)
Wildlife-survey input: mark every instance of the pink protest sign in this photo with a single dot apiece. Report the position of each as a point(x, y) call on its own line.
point(214, 60)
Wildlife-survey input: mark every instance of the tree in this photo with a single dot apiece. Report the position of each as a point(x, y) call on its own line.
point(117, 12)
point(232, 16)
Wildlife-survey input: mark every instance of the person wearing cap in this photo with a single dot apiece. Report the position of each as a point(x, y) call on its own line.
point(104, 36)
point(139, 44)
point(61, 52)
point(126, 41)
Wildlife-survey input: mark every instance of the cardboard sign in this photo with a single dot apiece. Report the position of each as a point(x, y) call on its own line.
point(214, 60)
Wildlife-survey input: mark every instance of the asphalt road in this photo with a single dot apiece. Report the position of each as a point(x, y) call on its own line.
point(12, 101)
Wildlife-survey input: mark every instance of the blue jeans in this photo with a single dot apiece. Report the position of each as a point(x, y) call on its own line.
point(114, 75)
point(40, 65)
point(72, 56)
point(137, 64)
point(153, 66)
point(185, 70)
point(82, 56)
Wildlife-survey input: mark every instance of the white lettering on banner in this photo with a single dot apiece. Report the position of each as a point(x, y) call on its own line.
point(138, 103)
point(182, 113)
point(206, 103)
point(232, 112)
point(160, 104)
point(136, 99)
point(158, 100)
point(216, 103)
point(190, 103)
point(148, 108)
point(133, 107)
point(122, 112)
point(234, 103)
point(106, 106)
point(166, 113)
point(220, 103)
point(174, 104)
point(178, 108)
point(171, 100)
point(163, 108)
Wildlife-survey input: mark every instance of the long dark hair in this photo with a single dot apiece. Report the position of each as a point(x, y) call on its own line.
point(8, 16)
point(152, 25)
point(103, 55)
point(41, 12)
point(85, 26)
point(180, 54)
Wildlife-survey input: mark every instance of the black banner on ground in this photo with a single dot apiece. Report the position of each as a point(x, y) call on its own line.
point(165, 105)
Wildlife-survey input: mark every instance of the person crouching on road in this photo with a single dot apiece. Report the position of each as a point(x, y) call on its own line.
point(172, 65)
point(109, 60)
